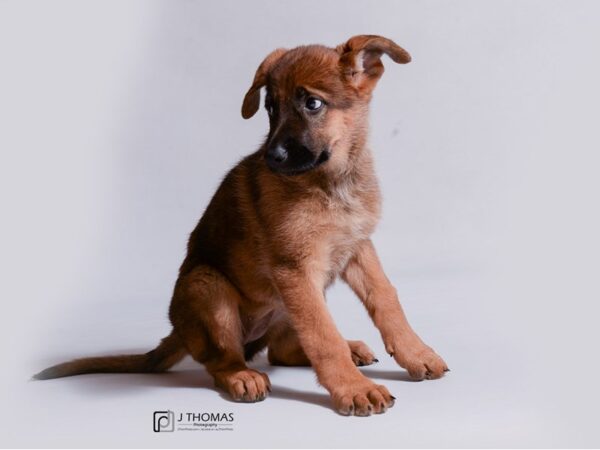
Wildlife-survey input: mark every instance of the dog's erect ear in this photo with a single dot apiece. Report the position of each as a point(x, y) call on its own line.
point(252, 98)
point(360, 59)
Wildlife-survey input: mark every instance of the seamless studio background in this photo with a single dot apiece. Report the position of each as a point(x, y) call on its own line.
point(118, 120)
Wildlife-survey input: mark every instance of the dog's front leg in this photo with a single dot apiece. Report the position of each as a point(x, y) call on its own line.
point(328, 352)
point(365, 276)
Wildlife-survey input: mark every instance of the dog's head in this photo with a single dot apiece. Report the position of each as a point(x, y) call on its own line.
point(317, 99)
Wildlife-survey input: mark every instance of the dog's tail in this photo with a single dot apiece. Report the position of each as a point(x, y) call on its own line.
point(169, 352)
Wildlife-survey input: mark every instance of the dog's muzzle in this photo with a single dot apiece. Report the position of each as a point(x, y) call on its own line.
point(291, 158)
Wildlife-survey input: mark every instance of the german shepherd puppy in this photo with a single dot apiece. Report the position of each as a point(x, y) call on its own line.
point(284, 224)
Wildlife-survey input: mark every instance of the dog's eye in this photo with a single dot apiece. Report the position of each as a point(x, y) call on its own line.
point(313, 104)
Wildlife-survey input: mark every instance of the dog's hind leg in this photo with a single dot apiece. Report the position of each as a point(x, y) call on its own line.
point(285, 348)
point(205, 314)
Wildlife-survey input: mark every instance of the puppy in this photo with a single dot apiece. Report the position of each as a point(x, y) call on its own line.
point(285, 223)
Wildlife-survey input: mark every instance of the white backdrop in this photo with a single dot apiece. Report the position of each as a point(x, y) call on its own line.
point(118, 120)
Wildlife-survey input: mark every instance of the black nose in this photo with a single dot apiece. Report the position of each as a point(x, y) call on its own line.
point(276, 155)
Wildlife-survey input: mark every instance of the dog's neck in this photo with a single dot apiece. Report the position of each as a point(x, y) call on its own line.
point(358, 173)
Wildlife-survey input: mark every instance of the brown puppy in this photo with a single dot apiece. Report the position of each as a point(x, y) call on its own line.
point(284, 224)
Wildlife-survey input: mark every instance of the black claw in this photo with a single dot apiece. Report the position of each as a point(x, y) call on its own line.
point(375, 360)
point(393, 398)
point(446, 370)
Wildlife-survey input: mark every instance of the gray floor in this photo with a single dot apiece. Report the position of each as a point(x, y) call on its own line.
point(498, 393)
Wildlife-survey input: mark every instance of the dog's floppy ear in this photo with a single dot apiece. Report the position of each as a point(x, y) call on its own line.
point(252, 99)
point(360, 59)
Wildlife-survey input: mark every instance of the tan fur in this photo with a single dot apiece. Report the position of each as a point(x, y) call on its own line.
point(274, 238)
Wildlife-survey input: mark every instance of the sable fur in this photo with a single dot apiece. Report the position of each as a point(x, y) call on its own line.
point(273, 238)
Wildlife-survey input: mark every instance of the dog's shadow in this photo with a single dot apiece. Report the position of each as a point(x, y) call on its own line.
point(191, 375)
point(391, 375)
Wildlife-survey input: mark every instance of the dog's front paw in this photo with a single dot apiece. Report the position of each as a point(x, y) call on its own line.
point(421, 362)
point(362, 398)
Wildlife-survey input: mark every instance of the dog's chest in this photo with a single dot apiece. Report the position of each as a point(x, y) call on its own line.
point(351, 218)
point(349, 215)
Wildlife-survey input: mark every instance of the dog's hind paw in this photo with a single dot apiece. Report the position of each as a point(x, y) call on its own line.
point(244, 385)
point(361, 353)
